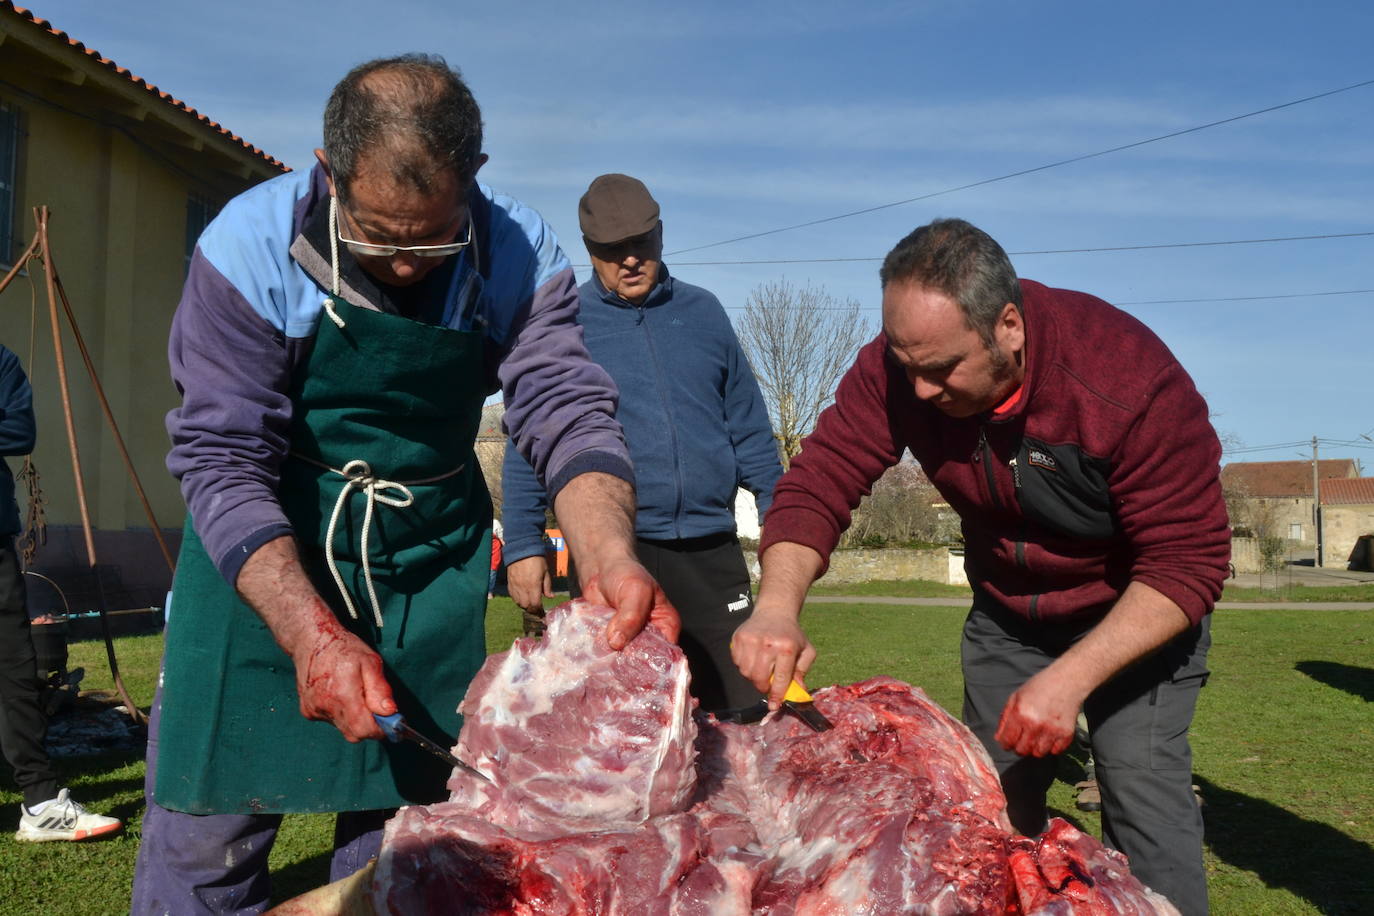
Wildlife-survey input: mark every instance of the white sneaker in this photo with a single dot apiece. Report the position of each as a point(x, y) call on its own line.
point(63, 819)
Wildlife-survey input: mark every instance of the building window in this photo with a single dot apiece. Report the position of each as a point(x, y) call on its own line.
point(199, 212)
point(9, 170)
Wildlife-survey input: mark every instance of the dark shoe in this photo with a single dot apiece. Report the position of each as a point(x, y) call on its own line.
point(1089, 798)
point(533, 624)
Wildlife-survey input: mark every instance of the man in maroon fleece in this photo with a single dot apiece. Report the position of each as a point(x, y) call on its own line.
point(1080, 459)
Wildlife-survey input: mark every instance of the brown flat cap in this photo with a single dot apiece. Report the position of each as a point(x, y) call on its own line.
point(616, 207)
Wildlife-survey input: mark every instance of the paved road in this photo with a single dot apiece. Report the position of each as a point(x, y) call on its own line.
point(1300, 571)
point(956, 601)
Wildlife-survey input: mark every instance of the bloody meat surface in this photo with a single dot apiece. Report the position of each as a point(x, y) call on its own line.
point(611, 796)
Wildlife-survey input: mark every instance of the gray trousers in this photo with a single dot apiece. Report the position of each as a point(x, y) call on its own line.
point(1138, 723)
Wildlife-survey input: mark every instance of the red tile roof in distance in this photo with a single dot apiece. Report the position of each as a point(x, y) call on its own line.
point(1348, 491)
point(8, 5)
point(1270, 479)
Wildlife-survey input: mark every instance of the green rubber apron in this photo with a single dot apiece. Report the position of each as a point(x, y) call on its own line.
point(385, 414)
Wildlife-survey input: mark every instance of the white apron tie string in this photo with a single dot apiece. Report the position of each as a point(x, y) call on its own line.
point(328, 301)
point(358, 476)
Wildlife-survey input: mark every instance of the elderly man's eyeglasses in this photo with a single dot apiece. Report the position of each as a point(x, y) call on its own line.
point(420, 251)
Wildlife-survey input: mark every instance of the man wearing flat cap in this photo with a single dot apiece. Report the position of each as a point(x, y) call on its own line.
point(696, 425)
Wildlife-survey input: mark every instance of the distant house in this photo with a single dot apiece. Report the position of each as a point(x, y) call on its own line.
point(131, 176)
point(1275, 498)
point(1347, 515)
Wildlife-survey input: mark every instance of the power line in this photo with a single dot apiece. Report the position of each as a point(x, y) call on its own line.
point(1243, 449)
point(1338, 292)
point(1286, 238)
point(1284, 446)
point(1038, 168)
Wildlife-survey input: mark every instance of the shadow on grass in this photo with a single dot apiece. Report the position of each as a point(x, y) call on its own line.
point(1350, 678)
point(1314, 861)
point(300, 877)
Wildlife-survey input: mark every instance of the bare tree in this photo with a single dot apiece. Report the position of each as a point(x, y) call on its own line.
point(1257, 518)
point(799, 341)
point(904, 509)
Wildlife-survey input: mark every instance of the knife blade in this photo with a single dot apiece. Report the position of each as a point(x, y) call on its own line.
point(395, 728)
point(798, 702)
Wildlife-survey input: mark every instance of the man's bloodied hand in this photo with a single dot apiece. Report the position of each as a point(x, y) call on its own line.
point(340, 680)
point(638, 601)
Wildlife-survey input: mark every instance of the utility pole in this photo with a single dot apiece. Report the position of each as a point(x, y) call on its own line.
point(1316, 506)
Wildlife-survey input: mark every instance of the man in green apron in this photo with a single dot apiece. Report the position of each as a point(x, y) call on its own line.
point(337, 336)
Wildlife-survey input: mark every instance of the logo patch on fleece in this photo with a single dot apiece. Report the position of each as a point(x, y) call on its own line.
point(1042, 459)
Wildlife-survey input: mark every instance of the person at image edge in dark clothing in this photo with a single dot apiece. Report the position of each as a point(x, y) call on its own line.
point(1079, 456)
point(47, 812)
point(696, 424)
point(339, 331)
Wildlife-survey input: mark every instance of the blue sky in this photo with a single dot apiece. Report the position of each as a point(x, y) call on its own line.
point(745, 117)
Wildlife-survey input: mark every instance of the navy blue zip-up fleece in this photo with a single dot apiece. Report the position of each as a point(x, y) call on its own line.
point(16, 432)
point(694, 418)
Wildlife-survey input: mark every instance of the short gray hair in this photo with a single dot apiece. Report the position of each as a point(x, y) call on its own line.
point(963, 262)
point(415, 108)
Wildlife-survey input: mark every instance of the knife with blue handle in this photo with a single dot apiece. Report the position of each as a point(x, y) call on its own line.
point(396, 729)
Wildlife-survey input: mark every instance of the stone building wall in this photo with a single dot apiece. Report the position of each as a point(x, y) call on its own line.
point(1245, 555)
point(1342, 526)
point(850, 566)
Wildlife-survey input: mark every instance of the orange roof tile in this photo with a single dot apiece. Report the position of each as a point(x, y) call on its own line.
point(1352, 491)
point(8, 6)
point(1270, 479)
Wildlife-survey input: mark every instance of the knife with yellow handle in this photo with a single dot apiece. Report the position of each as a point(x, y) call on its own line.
point(798, 702)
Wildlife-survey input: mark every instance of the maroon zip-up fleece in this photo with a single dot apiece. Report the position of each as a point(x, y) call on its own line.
point(1104, 472)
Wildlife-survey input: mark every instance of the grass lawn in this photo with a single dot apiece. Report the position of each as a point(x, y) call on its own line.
point(1298, 592)
point(1283, 742)
point(914, 588)
point(895, 588)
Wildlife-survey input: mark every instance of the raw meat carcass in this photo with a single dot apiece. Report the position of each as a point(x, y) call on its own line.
point(1064, 871)
point(576, 736)
point(440, 860)
point(610, 798)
